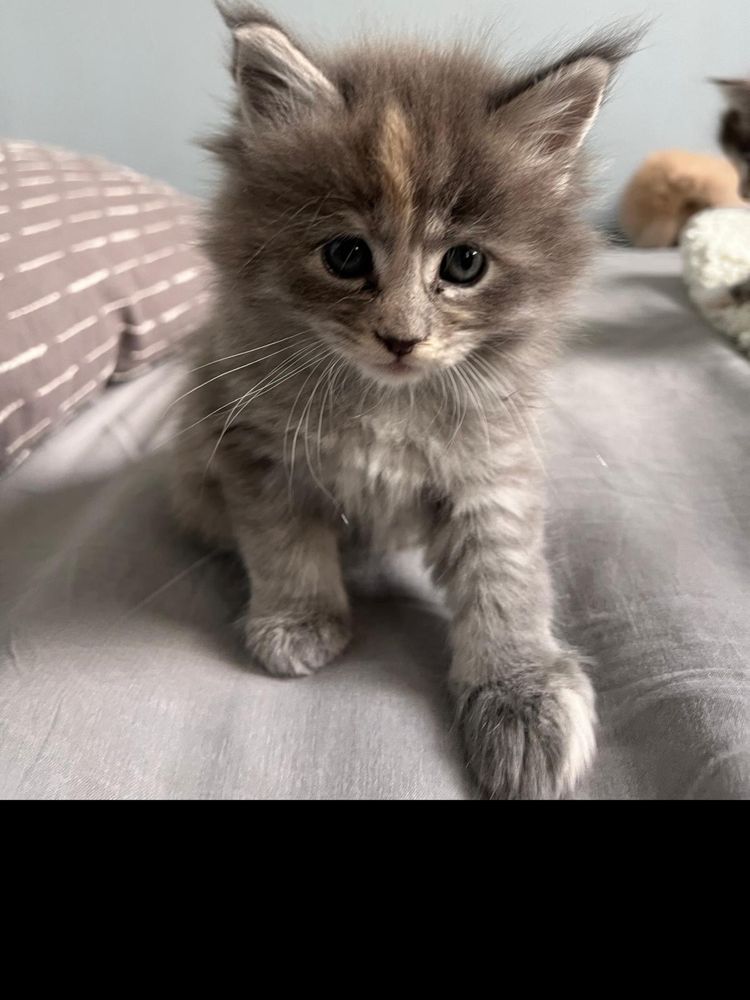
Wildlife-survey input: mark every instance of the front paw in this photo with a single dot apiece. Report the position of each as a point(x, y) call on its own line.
point(529, 734)
point(294, 644)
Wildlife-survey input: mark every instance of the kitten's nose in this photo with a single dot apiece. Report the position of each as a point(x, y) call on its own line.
point(397, 346)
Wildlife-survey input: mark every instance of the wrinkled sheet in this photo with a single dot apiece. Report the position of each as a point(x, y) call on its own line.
point(121, 670)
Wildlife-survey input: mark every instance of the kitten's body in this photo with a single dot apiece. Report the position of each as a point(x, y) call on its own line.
point(331, 439)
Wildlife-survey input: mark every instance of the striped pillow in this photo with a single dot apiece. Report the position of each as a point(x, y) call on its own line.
point(99, 278)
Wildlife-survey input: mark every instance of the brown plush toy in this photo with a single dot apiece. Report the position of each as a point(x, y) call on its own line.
point(670, 187)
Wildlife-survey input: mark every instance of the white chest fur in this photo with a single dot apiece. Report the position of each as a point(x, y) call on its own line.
point(377, 475)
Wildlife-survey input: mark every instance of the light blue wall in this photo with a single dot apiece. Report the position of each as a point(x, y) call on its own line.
point(137, 79)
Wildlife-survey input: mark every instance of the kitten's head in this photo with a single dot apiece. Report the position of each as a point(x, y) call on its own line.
point(410, 207)
point(734, 131)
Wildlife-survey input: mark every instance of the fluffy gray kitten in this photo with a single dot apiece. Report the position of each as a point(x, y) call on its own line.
point(395, 240)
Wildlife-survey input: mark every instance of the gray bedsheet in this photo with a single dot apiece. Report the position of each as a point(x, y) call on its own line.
point(121, 674)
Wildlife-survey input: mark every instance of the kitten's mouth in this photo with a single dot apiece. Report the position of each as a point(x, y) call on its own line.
point(398, 367)
point(394, 372)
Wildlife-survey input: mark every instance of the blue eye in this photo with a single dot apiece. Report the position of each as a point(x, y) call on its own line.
point(348, 257)
point(463, 265)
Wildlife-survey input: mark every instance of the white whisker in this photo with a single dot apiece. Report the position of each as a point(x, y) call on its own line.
point(278, 371)
point(252, 350)
point(236, 400)
point(334, 367)
point(231, 371)
point(207, 416)
point(307, 427)
point(262, 387)
point(466, 376)
point(457, 396)
point(299, 426)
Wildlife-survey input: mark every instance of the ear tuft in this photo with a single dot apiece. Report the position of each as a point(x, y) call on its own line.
point(556, 106)
point(235, 13)
point(276, 81)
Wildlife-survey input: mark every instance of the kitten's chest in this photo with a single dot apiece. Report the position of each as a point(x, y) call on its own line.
point(377, 473)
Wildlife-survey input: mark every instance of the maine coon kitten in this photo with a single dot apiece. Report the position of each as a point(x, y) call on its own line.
point(395, 240)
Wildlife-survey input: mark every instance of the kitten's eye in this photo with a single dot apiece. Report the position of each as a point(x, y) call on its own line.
point(348, 257)
point(463, 265)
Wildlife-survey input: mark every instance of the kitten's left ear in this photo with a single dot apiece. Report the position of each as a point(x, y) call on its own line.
point(276, 81)
point(555, 108)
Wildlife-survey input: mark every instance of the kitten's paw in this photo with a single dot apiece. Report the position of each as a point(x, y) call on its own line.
point(530, 734)
point(296, 644)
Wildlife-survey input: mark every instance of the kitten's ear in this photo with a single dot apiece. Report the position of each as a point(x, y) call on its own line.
point(555, 107)
point(276, 81)
point(557, 113)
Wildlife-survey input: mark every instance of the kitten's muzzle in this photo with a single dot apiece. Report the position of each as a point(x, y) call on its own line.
point(396, 346)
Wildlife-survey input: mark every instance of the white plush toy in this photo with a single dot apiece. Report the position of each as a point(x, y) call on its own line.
point(715, 248)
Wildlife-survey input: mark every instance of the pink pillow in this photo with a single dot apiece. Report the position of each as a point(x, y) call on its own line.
point(100, 278)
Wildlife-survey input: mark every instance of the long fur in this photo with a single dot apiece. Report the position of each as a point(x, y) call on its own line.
point(304, 435)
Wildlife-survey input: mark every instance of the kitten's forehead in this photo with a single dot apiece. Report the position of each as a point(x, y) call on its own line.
point(396, 150)
point(432, 171)
point(417, 121)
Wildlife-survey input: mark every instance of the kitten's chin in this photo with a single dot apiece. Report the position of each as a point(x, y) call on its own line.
point(395, 373)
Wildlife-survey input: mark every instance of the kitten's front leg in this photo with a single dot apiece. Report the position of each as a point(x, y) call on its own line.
point(298, 616)
point(525, 706)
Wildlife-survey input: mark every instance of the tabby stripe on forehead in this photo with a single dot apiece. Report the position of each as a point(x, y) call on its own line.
point(395, 155)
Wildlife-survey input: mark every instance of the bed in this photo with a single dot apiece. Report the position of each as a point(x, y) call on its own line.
point(122, 674)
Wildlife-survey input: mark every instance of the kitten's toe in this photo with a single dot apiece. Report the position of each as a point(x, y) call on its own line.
point(530, 734)
point(296, 644)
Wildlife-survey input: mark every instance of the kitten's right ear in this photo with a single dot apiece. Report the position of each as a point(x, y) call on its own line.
point(276, 81)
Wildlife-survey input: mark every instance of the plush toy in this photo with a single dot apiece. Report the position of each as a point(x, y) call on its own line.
point(715, 248)
point(669, 188)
